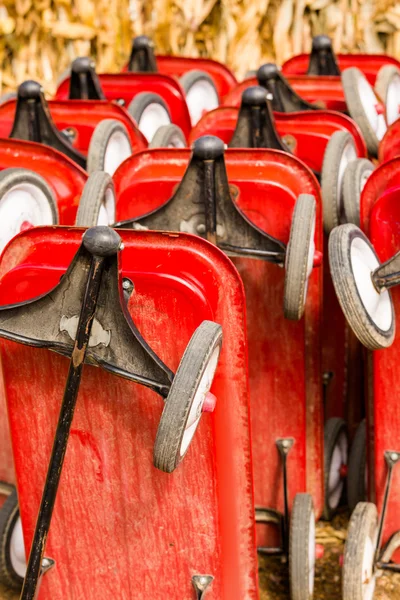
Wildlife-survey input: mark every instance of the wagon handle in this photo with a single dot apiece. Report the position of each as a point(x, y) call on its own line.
point(142, 58)
point(284, 98)
point(322, 58)
point(33, 122)
point(84, 82)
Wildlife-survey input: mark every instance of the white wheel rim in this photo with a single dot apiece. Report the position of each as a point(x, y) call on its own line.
point(22, 207)
point(201, 98)
point(368, 576)
point(153, 117)
point(393, 99)
point(335, 479)
point(369, 102)
point(117, 150)
point(348, 155)
point(311, 554)
point(198, 401)
point(377, 305)
point(17, 549)
point(107, 209)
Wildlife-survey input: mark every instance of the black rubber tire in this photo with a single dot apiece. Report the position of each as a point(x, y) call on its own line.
point(356, 477)
point(369, 334)
point(99, 142)
point(385, 77)
point(299, 559)
point(352, 188)
point(205, 340)
point(363, 525)
point(332, 178)
point(168, 136)
point(297, 256)
point(93, 196)
point(9, 514)
point(355, 107)
point(333, 430)
point(140, 102)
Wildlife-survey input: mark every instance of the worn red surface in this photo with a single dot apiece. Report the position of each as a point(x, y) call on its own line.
point(122, 529)
point(369, 64)
point(284, 356)
point(124, 86)
point(82, 116)
point(384, 407)
point(311, 130)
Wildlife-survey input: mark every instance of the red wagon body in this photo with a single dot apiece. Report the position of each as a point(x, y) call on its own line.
point(310, 131)
point(121, 528)
point(82, 116)
point(284, 356)
point(369, 64)
point(124, 86)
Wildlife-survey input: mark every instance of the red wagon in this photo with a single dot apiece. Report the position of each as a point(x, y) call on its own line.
point(363, 273)
point(193, 194)
point(116, 515)
point(153, 100)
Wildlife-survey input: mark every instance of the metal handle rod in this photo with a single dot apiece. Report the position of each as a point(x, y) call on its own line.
point(34, 569)
point(210, 201)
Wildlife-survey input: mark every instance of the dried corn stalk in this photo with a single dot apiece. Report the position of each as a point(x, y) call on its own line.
point(39, 38)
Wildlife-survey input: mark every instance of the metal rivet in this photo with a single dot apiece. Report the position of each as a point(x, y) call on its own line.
point(201, 228)
point(394, 456)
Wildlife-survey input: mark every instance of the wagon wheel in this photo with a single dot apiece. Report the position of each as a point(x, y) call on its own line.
point(339, 154)
point(387, 86)
point(201, 94)
point(335, 461)
point(168, 136)
point(302, 548)
point(12, 548)
point(369, 313)
point(299, 257)
point(150, 112)
point(355, 177)
point(98, 201)
point(188, 396)
point(109, 147)
point(359, 553)
point(364, 107)
point(26, 201)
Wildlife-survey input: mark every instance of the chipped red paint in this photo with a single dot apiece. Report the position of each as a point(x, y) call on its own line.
point(124, 86)
point(285, 379)
point(121, 528)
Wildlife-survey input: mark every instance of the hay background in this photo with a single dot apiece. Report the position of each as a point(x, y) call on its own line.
point(39, 38)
